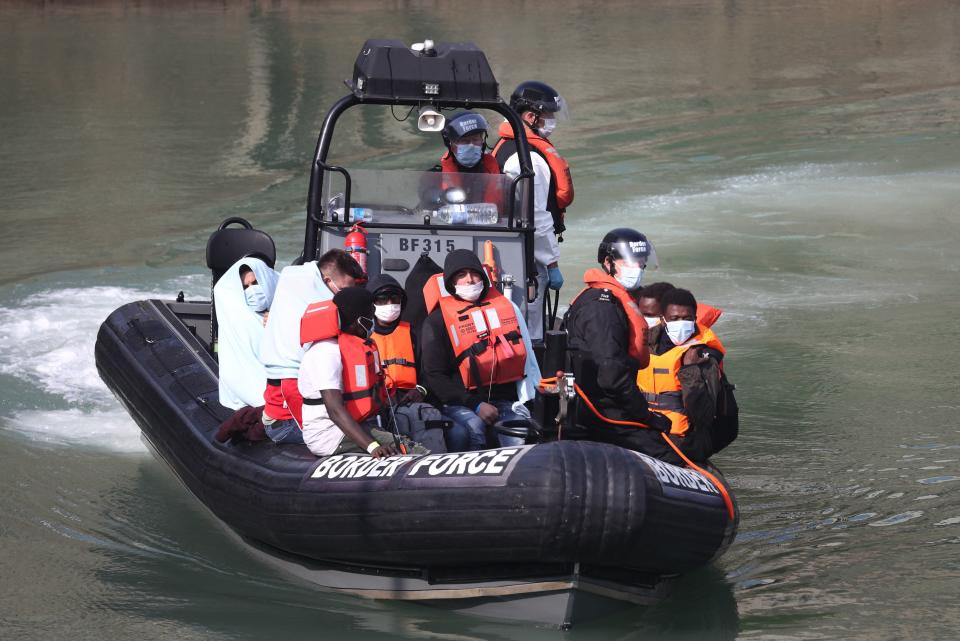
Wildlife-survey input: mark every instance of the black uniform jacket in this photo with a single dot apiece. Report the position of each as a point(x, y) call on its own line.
point(598, 331)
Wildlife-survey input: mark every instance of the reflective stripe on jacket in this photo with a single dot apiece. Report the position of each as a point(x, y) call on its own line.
point(486, 339)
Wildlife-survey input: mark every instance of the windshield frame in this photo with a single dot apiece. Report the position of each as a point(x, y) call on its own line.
point(315, 213)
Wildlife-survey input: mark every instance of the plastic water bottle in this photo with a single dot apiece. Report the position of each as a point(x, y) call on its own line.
point(358, 214)
point(472, 214)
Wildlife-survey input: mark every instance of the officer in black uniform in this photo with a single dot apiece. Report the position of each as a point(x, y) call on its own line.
point(606, 336)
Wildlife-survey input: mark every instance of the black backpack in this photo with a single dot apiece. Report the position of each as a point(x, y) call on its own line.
point(726, 425)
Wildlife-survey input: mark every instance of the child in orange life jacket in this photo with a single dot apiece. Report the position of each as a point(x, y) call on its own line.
point(682, 381)
point(397, 344)
point(340, 378)
point(477, 358)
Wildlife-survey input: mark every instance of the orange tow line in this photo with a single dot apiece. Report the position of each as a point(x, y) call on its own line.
point(727, 501)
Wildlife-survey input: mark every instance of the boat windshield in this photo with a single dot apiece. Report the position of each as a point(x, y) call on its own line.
point(397, 197)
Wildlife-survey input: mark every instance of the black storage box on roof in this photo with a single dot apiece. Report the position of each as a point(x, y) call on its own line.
point(389, 69)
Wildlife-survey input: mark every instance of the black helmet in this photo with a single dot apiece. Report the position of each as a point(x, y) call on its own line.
point(463, 124)
point(537, 96)
point(628, 244)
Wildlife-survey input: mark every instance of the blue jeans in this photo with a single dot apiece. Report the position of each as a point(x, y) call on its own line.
point(284, 431)
point(467, 421)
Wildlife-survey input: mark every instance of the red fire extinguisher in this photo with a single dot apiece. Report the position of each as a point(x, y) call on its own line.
point(356, 245)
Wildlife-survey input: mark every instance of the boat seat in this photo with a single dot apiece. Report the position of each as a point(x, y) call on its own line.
point(415, 311)
point(229, 244)
point(226, 246)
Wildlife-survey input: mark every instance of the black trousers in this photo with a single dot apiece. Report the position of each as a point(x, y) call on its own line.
point(694, 445)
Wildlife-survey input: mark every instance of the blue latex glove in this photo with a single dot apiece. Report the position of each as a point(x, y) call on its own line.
point(556, 278)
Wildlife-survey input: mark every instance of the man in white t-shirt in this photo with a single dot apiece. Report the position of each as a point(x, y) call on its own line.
point(328, 425)
point(280, 349)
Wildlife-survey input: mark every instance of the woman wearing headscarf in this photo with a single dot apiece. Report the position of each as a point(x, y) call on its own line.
point(242, 297)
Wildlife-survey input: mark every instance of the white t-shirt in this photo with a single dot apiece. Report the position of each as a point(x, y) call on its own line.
point(321, 368)
point(546, 250)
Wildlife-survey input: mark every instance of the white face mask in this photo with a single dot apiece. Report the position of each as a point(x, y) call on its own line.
point(469, 292)
point(387, 313)
point(679, 331)
point(548, 127)
point(652, 321)
point(629, 277)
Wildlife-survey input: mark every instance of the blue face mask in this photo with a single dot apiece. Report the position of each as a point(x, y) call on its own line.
point(630, 277)
point(256, 299)
point(468, 155)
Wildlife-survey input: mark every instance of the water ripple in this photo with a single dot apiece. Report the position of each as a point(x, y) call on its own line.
point(897, 519)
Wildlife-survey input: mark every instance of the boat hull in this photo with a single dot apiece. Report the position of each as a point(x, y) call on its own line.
point(528, 530)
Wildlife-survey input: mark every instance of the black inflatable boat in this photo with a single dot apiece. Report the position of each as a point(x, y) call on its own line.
point(549, 532)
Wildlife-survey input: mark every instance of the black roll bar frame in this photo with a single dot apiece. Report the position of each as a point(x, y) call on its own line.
point(315, 215)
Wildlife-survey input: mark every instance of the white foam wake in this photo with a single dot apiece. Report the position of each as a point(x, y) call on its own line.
point(108, 429)
point(47, 342)
point(804, 236)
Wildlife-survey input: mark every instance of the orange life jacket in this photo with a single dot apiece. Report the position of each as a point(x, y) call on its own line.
point(559, 168)
point(485, 335)
point(707, 315)
point(598, 279)
point(488, 165)
point(396, 350)
point(660, 381)
point(363, 390)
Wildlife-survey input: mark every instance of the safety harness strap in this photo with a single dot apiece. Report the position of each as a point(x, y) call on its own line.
point(349, 396)
point(398, 361)
point(672, 401)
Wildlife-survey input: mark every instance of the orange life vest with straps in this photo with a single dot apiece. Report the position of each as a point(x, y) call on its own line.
point(363, 390)
point(660, 381)
point(561, 193)
point(637, 341)
point(396, 350)
point(485, 335)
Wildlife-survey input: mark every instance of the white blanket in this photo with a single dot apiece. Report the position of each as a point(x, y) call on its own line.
point(242, 376)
